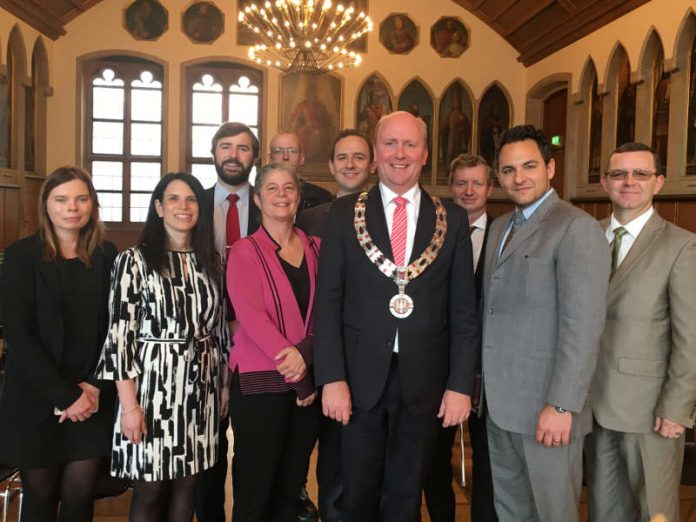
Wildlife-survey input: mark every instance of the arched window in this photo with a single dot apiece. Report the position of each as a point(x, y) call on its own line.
point(691, 131)
point(595, 152)
point(660, 115)
point(218, 92)
point(124, 134)
point(5, 113)
point(416, 99)
point(493, 119)
point(456, 126)
point(625, 103)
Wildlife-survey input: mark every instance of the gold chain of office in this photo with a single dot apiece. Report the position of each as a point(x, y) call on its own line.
point(386, 265)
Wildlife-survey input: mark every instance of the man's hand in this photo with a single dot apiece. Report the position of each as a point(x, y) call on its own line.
point(93, 392)
point(668, 429)
point(336, 402)
point(454, 408)
point(290, 364)
point(80, 410)
point(553, 427)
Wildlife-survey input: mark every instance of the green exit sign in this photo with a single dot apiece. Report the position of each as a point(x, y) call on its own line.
point(557, 141)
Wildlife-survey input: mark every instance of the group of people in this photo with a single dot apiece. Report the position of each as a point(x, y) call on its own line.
point(377, 323)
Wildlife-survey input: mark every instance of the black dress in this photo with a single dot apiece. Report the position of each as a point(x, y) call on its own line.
point(42, 441)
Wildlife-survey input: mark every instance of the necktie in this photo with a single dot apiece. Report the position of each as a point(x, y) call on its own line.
point(398, 234)
point(232, 228)
point(517, 220)
point(471, 230)
point(619, 232)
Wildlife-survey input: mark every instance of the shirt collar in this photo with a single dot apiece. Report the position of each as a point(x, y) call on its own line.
point(221, 193)
point(482, 222)
point(527, 212)
point(634, 226)
point(412, 195)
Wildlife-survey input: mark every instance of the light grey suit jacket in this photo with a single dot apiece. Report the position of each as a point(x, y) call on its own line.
point(544, 308)
point(647, 363)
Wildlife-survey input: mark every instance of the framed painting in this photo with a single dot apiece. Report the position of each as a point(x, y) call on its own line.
point(398, 33)
point(146, 19)
point(374, 101)
point(449, 37)
point(310, 105)
point(203, 22)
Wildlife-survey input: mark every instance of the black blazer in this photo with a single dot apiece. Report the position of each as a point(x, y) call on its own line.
point(354, 329)
point(254, 220)
point(33, 325)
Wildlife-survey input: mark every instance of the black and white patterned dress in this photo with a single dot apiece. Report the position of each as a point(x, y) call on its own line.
point(167, 333)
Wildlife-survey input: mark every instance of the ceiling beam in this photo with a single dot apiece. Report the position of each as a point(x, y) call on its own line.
point(36, 15)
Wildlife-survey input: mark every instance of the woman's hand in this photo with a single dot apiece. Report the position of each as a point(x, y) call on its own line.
point(133, 424)
point(93, 392)
point(290, 364)
point(80, 410)
point(306, 402)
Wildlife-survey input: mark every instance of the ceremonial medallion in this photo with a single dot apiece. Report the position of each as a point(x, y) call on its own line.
point(401, 306)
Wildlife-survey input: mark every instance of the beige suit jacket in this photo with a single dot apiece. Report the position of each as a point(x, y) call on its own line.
point(647, 361)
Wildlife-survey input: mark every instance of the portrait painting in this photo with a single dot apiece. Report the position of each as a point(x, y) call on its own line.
point(493, 119)
point(398, 33)
point(146, 19)
point(203, 22)
point(416, 100)
point(456, 115)
point(311, 106)
point(374, 101)
point(449, 37)
point(246, 36)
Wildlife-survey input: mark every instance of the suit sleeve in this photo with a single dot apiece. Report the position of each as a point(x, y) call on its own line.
point(465, 321)
point(21, 324)
point(583, 266)
point(329, 356)
point(677, 402)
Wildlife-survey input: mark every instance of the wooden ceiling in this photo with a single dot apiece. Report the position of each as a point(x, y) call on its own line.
point(538, 28)
point(535, 28)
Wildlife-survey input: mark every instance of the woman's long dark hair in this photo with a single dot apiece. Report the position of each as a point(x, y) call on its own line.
point(152, 242)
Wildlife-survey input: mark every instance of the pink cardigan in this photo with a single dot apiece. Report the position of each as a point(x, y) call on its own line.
point(268, 314)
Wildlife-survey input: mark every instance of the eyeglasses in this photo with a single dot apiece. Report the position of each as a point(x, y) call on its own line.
point(288, 150)
point(621, 174)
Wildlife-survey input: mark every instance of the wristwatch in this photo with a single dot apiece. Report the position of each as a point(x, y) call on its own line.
point(560, 410)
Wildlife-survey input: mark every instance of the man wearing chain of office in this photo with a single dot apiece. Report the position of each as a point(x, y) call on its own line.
point(397, 331)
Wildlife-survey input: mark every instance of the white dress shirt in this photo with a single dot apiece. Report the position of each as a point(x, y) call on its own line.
point(220, 214)
point(412, 196)
point(633, 228)
point(477, 237)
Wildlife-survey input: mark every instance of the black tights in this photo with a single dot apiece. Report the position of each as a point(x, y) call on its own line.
point(163, 500)
point(72, 484)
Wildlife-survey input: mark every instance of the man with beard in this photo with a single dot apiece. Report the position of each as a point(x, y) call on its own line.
point(235, 151)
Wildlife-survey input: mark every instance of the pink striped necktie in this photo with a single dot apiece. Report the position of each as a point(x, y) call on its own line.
point(398, 234)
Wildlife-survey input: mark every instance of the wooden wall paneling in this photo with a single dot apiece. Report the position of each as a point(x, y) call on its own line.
point(667, 209)
point(32, 186)
point(9, 210)
point(686, 215)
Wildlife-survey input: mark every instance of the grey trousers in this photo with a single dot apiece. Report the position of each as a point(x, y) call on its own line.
point(532, 482)
point(632, 476)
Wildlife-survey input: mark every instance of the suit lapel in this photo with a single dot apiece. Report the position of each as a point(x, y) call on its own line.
point(425, 226)
point(641, 245)
point(377, 222)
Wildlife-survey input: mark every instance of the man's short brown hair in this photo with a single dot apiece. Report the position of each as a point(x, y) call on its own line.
point(469, 161)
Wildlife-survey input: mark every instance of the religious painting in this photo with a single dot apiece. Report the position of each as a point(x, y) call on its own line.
point(5, 121)
point(660, 129)
point(145, 19)
point(203, 22)
point(449, 37)
point(691, 131)
point(311, 106)
point(595, 152)
point(416, 100)
point(493, 119)
point(626, 113)
point(246, 36)
point(374, 101)
point(398, 33)
point(456, 115)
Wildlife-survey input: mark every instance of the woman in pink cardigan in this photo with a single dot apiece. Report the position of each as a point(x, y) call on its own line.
point(271, 277)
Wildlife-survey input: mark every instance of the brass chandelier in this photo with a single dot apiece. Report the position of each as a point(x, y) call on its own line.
point(305, 35)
